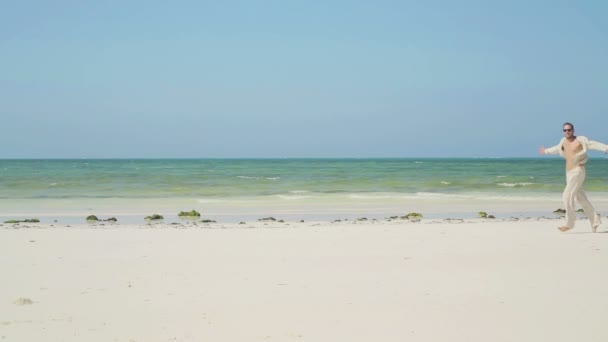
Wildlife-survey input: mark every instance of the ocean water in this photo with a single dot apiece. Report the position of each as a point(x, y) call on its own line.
point(291, 184)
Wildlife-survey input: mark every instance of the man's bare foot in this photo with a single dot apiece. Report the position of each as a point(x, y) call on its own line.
point(598, 221)
point(564, 229)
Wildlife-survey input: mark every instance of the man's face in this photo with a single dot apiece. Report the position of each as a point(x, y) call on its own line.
point(568, 131)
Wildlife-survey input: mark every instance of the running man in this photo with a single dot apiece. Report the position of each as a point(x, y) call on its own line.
point(574, 150)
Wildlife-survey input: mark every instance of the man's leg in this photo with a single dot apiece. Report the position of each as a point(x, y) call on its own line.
point(574, 182)
point(582, 199)
point(594, 218)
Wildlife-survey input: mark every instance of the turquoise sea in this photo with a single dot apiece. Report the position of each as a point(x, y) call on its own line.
point(283, 183)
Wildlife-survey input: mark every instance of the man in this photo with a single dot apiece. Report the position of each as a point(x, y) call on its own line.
point(574, 150)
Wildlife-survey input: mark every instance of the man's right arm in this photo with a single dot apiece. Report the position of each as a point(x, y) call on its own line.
point(553, 149)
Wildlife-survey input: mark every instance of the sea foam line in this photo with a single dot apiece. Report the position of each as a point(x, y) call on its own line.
point(292, 197)
point(510, 185)
point(250, 177)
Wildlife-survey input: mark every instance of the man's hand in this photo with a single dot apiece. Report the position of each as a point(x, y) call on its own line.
point(542, 150)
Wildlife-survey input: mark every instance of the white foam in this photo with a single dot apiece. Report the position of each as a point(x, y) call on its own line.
point(209, 200)
point(510, 185)
point(445, 183)
point(292, 197)
point(361, 196)
point(548, 198)
point(250, 177)
point(434, 195)
point(501, 176)
point(299, 191)
point(398, 196)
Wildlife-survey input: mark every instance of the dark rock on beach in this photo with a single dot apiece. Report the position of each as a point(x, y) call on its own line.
point(192, 213)
point(563, 211)
point(414, 216)
point(483, 214)
point(267, 219)
point(93, 218)
point(26, 221)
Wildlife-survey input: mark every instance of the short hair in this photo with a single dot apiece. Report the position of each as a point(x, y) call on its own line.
point(567, 123)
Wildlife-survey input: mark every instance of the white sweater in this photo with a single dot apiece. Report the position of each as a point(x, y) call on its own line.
point(581, 157)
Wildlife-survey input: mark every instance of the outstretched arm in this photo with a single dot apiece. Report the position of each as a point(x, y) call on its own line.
point(550, 150)
point(598, 146)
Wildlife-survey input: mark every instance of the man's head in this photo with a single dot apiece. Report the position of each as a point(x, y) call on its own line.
point(568, 130)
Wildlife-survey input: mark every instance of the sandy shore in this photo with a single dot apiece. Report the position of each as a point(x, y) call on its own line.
point(133, 211)
point(476, 280)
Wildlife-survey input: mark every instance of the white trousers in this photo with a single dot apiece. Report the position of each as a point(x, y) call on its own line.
point(574, 191)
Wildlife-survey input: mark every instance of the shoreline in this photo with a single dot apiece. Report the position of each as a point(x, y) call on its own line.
point(278, 223)
point(231, 219)
point(134, 210)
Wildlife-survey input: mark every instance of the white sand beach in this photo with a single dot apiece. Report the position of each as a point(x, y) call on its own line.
point(473, 280)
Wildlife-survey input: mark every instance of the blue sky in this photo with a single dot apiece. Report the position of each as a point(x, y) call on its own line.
point(299, 79)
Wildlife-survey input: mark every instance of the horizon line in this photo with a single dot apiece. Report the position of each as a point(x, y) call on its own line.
point(269, 158)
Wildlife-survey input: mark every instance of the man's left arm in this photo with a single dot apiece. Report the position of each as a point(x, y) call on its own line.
point(598, 146)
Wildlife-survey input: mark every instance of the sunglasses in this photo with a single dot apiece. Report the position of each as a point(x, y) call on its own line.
point(567, 129)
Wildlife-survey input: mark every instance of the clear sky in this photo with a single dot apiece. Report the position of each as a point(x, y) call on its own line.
point(104, 79)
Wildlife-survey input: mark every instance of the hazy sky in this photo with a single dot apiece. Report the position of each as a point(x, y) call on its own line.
point(99, 79)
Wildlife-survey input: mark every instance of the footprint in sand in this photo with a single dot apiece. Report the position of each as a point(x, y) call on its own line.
point(23, 301)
